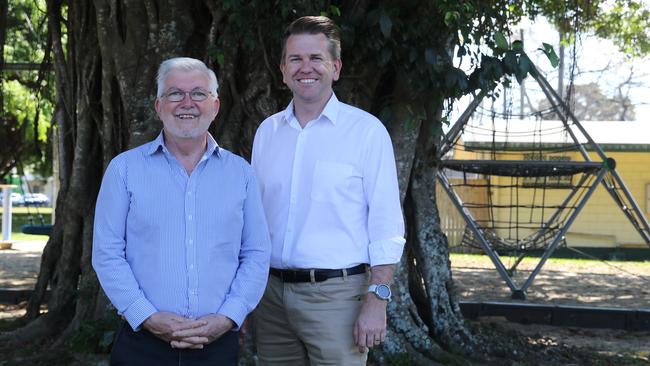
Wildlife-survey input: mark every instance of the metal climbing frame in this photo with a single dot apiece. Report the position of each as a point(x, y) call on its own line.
point(605, 168)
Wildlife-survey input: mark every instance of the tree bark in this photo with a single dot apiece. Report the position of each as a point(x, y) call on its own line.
point(106, 85)
point(4, 8)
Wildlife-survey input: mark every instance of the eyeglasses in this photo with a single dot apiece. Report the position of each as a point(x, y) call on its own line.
point(197, 95)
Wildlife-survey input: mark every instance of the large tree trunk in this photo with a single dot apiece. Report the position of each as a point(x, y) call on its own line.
point(4, 8)
point(106, 86)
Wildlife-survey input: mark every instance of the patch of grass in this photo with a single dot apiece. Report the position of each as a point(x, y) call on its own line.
point(18, 219)
point(18, 236)
point(22, 210)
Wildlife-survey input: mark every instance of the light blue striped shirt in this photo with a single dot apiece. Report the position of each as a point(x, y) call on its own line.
point(192, 245)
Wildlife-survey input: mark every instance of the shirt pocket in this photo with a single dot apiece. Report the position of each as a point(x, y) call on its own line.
point(331, 181)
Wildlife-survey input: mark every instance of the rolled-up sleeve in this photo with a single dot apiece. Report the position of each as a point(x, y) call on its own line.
point(109, 249)
point(385, 219)
point(250, 281)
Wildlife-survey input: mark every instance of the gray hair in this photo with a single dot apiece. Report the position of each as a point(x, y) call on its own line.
point(184, 64)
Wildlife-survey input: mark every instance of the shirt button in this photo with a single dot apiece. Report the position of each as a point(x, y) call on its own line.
point(189, 217)
point(190, 242)
point(189, 193)
point(191, 266)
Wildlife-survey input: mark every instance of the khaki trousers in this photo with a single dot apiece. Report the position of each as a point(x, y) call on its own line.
point(310, 323)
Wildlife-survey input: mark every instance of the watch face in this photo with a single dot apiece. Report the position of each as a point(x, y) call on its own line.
point(383, 291)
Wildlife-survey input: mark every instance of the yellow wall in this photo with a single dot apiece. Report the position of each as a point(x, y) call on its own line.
point(601, 222)
point(602, 216)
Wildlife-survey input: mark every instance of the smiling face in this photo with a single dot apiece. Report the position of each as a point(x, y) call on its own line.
point(186, 119)
point(308, 68)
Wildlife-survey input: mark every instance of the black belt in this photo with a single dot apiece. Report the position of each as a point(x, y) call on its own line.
point(320, 275)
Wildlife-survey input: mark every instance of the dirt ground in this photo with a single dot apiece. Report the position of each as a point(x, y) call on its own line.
point(568, 282)
point(592, 283)
point(19, 265)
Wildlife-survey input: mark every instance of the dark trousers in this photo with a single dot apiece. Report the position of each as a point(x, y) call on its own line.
point(144, 349)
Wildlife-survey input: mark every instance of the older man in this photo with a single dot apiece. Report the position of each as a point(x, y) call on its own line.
point(180, 241)
point(329, 189)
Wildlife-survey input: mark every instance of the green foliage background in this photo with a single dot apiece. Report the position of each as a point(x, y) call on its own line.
point(24, 92)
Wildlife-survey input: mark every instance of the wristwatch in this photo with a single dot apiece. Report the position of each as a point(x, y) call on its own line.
point(381, 290)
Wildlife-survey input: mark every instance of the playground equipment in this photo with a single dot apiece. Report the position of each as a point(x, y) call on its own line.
point(521, 177)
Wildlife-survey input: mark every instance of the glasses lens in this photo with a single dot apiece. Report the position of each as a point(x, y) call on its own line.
point(175, 96)
point(198, 95)
point(178, 95)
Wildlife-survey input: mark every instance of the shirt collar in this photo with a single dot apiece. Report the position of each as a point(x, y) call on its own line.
point(159, 144)
point(330, 112)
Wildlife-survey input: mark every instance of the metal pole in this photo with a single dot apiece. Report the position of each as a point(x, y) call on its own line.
point(522, 86)
point(6, 212)
point(449, 139)
point(546, 88)
point(645, 232)
point(560, 234)
point(542, 81)
point(471, 222)
point(562, 206)
point(560, 70)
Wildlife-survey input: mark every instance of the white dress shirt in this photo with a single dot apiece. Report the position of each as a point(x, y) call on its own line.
point(329, 190)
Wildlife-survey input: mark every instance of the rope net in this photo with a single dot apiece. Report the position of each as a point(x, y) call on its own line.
point(518, 213)
point(520, 181)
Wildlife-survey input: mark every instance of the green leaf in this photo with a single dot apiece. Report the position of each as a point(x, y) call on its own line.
point(524, 67)
point(518, 45)
point(335, 10)
point(385, 24)
point(451, 17)
point(524, 63)
point(510, 62)
point(549, 51)
point(519, 77)
point(500, 40)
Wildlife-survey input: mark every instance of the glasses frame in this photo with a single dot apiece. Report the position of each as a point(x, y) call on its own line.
point(186, 94)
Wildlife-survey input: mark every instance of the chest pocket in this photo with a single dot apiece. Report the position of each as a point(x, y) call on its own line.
point(332, 181)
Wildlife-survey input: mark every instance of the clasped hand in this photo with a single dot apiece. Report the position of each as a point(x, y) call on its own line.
point(181, 332)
